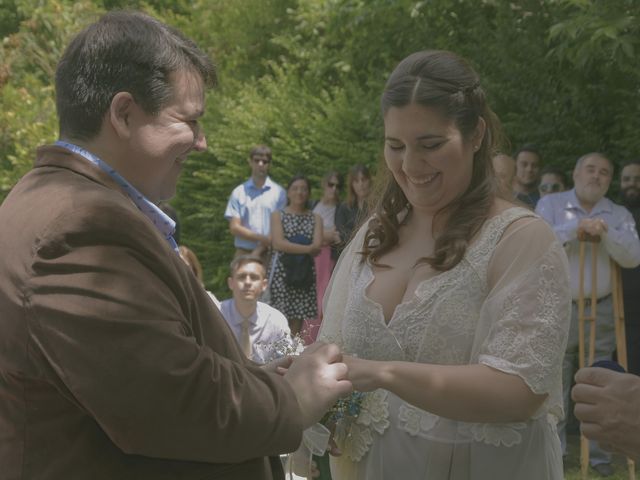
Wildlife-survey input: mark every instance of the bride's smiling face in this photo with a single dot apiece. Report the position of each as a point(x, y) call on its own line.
point(428, 156)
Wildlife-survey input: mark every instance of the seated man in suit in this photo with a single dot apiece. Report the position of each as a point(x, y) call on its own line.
point(114, 362)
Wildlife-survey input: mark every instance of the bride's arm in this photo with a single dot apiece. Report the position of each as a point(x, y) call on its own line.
point(519, 345)
point(470, 393)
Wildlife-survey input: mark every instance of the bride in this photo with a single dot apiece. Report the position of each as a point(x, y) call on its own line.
point(452, 302)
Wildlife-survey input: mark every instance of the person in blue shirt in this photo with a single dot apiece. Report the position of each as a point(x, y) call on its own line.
point(585, 209)
point(251, 204)
point(258, 327)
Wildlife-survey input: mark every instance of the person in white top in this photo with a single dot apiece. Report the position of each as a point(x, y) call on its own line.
point(453, 301)
point(258, 327)
point(325, 261)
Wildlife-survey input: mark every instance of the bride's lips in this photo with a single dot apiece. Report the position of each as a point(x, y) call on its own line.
point(423, 180)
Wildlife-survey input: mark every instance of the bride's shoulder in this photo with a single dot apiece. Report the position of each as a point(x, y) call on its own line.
point(519, 223)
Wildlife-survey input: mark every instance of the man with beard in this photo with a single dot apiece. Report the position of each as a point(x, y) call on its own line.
point(630, 195)
point(525, 184)
point(585, 210)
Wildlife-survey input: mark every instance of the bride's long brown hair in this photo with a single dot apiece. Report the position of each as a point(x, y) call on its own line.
point(446, 82)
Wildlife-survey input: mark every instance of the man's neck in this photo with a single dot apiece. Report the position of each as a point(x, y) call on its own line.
point(586, 205)
point(244, 308)
point(259, 182)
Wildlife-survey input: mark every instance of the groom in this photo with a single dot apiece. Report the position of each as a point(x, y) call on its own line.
point(114, 363)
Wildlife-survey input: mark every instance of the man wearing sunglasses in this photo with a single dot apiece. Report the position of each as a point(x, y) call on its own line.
point(585, 209)
point(251, 204)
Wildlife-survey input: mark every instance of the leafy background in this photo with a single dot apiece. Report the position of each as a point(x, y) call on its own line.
point(304, 76)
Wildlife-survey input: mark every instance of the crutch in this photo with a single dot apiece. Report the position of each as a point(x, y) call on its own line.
point(593, 241)
point(621, 339)
point(618, 316)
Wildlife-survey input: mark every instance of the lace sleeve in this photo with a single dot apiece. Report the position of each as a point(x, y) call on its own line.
point(337, 293)
point(527, 312)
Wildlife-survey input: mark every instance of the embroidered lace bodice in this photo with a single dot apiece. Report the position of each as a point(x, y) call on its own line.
point(515, 323)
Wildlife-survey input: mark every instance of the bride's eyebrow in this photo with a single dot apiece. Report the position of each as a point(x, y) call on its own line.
point(421, 137)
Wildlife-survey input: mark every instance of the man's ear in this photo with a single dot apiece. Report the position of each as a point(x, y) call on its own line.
point(230, 283)
point(265, 284)
point(120, 112)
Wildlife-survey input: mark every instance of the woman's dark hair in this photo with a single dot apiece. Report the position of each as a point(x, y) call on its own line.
point(123, 51)
point(354, 172)
point(551, 170)
point(443, 81)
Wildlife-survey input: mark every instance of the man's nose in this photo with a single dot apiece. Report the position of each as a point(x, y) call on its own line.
point(200, 144)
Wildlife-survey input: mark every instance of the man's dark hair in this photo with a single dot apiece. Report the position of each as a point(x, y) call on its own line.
point(124, 51)
point(529, 147)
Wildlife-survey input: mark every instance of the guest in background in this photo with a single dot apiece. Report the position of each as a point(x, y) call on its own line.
point(350, 213)
point(552, 180)
point(255, 324)
point(189, 257)
point(251, 204)
point(586, 210)
point(504, 167)
point(630, 196)
point(297, 238)
point(527, 175)
point(324, 262)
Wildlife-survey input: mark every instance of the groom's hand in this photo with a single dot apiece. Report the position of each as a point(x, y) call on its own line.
point(318, 378)
point(279, 366)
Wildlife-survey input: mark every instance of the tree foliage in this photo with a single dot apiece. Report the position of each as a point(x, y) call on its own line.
point(305, 76)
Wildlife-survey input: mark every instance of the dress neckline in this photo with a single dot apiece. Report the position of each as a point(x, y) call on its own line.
point(514, 213)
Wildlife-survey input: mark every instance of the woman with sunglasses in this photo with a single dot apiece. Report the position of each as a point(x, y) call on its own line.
point(326, 207)
point(552, 180)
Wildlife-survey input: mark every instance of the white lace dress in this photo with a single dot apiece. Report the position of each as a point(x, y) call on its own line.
point(505, 305)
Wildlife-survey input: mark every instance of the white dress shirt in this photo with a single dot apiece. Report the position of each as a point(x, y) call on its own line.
point(267, 326)
point(563, 212)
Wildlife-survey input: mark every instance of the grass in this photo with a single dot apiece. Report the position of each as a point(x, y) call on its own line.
point(572, 465)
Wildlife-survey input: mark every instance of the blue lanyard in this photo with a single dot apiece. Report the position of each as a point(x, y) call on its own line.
point(165, 225)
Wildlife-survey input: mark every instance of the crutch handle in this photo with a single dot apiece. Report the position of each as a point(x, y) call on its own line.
point(585, 237)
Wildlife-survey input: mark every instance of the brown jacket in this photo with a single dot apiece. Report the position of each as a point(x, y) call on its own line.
point(114, 362)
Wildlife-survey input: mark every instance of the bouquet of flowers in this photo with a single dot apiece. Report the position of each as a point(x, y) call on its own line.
point(347, 407)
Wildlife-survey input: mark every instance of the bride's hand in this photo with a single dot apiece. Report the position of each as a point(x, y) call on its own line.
point(363, 374)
